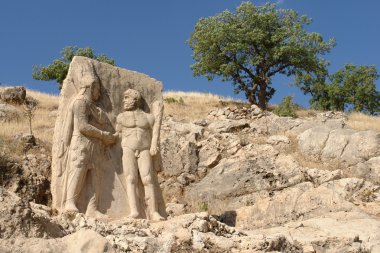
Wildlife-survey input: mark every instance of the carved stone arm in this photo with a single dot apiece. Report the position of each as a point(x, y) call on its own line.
point(100, 115)
point(118, 127)
point(157, 111)
point(79, 109)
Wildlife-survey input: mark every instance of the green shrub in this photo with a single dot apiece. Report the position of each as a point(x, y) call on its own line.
point(203, 207)
point(286, 108)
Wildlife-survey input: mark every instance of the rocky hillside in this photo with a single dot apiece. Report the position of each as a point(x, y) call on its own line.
point(235, 179)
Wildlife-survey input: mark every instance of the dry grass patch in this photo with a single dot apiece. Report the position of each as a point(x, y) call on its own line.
point(190, 106)
point(356, 120)
point(42, 126)
point(45, 101)
point(183, 106)
point(42, 123)
point(360, 121)
point(306, 113)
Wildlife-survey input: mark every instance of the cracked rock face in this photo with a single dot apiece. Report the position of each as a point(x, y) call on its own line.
point(29, 178)
point(250, 184)
point(357, 150)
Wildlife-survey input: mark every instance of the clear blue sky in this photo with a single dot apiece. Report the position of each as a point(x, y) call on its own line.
point(150, 37)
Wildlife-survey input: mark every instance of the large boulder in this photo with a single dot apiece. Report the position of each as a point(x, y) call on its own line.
point(190, 131)
point(83, 241)
point(303, 201)
point(344, 145)
point(29, 176)
point(362, 146)
point(18, 219)
point(14, 95)
point(312, 141)
point(180, 164)
point(254, 168)
point(335, 144)
point(272, 124)
point(228, 126)
point(179, 155)
point(9, 113)
point(369, 170)
point(333, 232)
point(328, 218)
point(353, 149)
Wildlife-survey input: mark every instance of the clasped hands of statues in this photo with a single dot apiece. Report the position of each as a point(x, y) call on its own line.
point(108, 139)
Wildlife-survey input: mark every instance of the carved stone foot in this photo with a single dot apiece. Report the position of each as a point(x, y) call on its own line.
point(134, 215)
point(96, 214)
point(71, 208)
point(156, 217)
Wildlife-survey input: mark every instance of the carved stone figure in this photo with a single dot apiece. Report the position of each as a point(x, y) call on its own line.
point(139, 132)
point(86, 143)
point(87, 167)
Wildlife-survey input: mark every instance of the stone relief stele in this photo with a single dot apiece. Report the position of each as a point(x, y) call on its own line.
point(106, 143)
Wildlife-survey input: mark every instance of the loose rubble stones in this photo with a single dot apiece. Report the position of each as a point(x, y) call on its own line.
point(235, 113)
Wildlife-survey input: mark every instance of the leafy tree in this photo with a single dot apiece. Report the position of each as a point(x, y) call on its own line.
point(315, 84)
point(352, 87)
point(59, 68)
point(287, 108)
point(358, 87)
point(252, 45)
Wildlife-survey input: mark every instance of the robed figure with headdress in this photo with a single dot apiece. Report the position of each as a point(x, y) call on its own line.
point(87, 170)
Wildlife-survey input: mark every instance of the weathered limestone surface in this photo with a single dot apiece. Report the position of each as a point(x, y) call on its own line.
point(184, 233)
point(346, 145)
point(9, 113)
point(356, 150)
point(83, 241)
point(334, 232)
point(267, 190)
point(101, 156)
point(226, 126)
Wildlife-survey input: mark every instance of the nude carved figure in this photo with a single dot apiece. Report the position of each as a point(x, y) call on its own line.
point(139, 133)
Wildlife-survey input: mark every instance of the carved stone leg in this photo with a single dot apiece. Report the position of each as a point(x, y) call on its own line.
point(131, 172)
point(75, 184)
point(146, 169)
point(93, 204)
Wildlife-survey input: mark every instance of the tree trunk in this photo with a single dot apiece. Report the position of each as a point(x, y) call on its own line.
point(30, 126)
point(262, 96)
point(250, 93)
point(251, 98)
